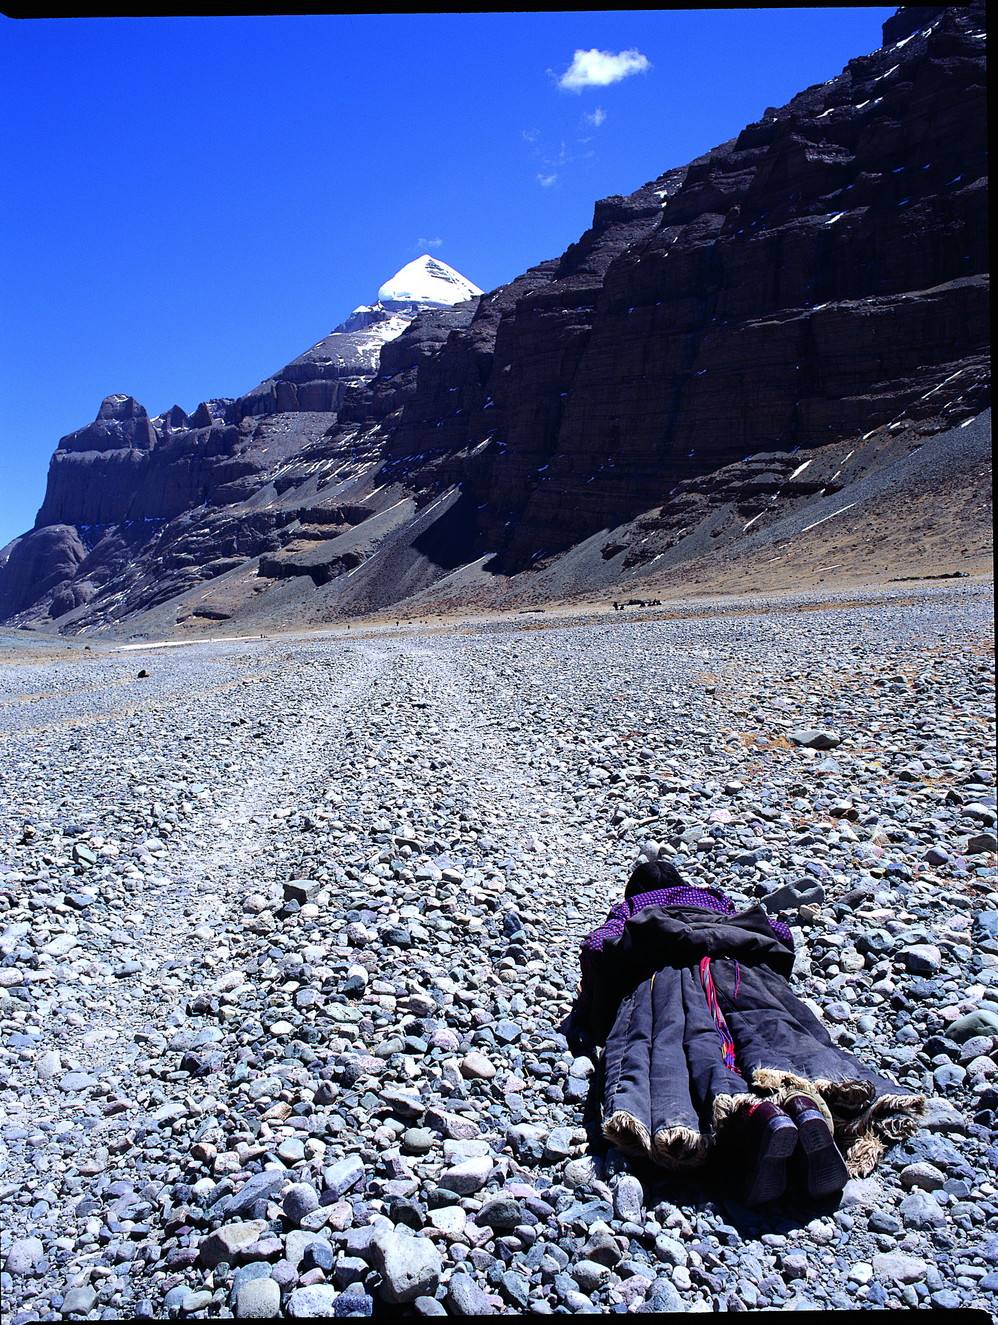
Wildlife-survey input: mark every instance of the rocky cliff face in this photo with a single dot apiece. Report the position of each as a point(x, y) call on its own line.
point(818, 281)
point(153, 507)
point(803, 282)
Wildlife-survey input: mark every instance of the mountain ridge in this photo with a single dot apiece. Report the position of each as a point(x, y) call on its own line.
point(819, 279)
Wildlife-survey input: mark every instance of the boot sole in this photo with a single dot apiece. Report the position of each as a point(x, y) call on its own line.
point(826, 1169)
point(769, 1178)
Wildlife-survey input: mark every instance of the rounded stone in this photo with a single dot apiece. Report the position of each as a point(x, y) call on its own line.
point(417, 1141)
point(24, 1255)
point(258, 1299)
point(300, 1200)
point(313, 1301)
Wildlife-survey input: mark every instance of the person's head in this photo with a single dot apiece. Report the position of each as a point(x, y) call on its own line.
point(651, 875)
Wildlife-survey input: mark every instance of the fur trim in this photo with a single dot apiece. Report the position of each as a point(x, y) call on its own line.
point(781, 1086)
point(903, 1110)
point(897, 1127)
point(769, 1079)
point(726, 1108)
point(863, 1155)
point(846, 1097)
point(889, 1118)
point(679, 1148)
point(892, 1117)
point(628, 1134)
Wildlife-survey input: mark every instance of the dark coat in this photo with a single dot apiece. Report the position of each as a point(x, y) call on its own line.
point(667, 1092)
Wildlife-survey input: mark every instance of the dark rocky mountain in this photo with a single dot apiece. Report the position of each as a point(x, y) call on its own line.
point(717, 367)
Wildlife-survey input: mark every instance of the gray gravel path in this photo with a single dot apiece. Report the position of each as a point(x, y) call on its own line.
point(288, 930)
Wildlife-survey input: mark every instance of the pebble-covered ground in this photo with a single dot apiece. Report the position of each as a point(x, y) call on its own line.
point(289, 929)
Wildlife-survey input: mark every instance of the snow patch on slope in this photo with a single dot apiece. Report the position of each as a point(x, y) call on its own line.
point(380, 325)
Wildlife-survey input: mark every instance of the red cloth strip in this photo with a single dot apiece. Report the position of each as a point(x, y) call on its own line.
point(710, 993)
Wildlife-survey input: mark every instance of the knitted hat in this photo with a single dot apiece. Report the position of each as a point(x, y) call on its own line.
point(651, 875)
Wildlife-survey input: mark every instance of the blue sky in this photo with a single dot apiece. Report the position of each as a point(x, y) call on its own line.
point(192, 202)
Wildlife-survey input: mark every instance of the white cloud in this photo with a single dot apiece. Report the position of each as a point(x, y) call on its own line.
point(601, 68)
point(597, 118)
point(423, 244)
point(545, 181)
point(531, 135)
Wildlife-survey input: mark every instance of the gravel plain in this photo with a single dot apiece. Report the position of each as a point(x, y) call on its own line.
point(289, 929)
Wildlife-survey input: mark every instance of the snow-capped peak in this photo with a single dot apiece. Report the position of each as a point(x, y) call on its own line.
point(427, 280)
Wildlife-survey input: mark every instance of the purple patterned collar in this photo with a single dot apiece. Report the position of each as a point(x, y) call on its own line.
point(709, 899)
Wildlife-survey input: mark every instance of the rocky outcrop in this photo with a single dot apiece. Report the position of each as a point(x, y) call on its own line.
point(805, 282)
point(148, 508)
point(318, 379)
point(120, 467)
point(821, 276)
point(908, 20)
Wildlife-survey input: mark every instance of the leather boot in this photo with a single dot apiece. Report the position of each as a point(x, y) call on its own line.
point(770, 1137)
point(822, 1169)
